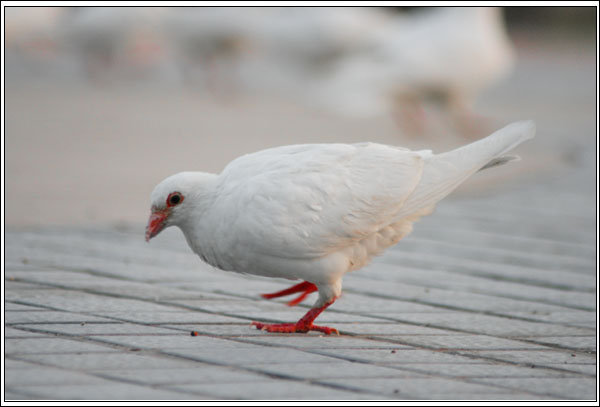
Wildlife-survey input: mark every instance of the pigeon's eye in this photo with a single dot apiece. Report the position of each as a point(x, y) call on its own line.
point(175, 198)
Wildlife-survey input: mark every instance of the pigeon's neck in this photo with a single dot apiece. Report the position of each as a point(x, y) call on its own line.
point(202, 196)
point(198, 224)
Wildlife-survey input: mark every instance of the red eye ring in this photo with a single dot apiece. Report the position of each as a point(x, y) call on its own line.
point(174, 198)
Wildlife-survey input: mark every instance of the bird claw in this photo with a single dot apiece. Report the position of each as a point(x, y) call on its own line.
point(326, 330)
point(294, 328)
point(304, 325)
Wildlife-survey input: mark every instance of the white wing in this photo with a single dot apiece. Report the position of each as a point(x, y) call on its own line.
point(310, 200)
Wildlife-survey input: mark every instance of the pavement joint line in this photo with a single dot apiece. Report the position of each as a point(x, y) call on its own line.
point(458, 352)
point(65, 322)
point(21, 279)
point(87, 271)
point(472, 271)
point(131, 297)
point(452, 307)
point(27, 394)
point(80, 270)
point(107, 376)
point(580, 308)
point(492, 294)
point(99, 375)
point(392, 319)
point(500, 387)
point(520, 253)
point(470, 356)
point(275, 320)
point(493, 255)
point(464, 380)
point(321, 352)
point(587, 350)
point(318, 382)
point(396, 250)
point(421, 302)
point(324, 353)
point(414, 346)
point(433, 348)
point(448, 264)
point(508, 236)
point(429, 325)
point(405, 369)
point(243, 368)
point(399, 253)
point(166, 353)
point(432, 259)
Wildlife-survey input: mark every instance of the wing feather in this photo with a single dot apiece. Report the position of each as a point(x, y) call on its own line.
point(311, 200)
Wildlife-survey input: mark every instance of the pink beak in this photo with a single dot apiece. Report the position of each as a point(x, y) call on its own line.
point(156, 223)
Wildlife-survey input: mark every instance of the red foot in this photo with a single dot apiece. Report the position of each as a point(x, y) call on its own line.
point(292, 328)
point(304, 325)
point(304, 286)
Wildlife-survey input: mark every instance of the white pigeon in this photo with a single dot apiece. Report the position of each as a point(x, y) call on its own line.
point(447, 55)
point(314, 212)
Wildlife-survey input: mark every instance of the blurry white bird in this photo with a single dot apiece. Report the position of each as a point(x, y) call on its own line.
point(115, 41)
point(295, 46)
point(208, 42)
point(447, 55)
point(317, 211)
point(33, 31)
point(273, 49)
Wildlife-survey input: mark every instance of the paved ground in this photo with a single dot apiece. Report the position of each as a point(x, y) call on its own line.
point(475, 305)
point(492, 297)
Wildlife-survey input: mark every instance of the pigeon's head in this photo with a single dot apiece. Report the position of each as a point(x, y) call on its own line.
point(174, 199)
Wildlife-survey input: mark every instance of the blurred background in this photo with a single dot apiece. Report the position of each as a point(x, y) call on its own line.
point(102, 103)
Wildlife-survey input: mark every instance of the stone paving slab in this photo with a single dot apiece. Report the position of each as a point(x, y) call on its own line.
point(106, 390)
point(567, 342)
point(200, 373)
point(48, 316)
point(418, 388)
point(49, 346)
point(277, 389)
point(572, 388)
point(48, 376)
point(108, 360)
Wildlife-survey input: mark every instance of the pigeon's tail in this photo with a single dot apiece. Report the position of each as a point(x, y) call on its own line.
point(442, 173)
point(488, 152)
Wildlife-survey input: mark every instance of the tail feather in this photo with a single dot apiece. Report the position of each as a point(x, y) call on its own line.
point(479, 153)
point(442, 173)
point(500, 161)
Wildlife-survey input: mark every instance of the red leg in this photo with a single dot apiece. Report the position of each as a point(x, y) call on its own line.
point(305, 324)
point(304, 286)
point(302, 296)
